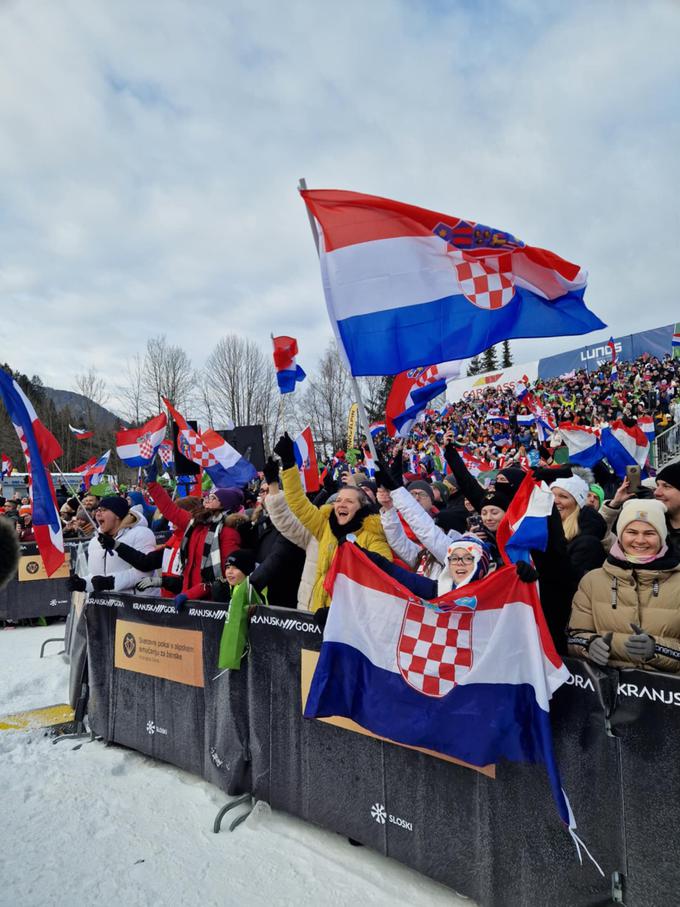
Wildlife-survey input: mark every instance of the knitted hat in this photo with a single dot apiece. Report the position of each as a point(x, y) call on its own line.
point(574, 486)
point(444, 491)
point(420, 485)
point(597, 490)
point(648, 511)
point(497, 498)
point(116, 505)
point(670, 474)
point(230, 498)
point(242, 559)
point(514, 475)
point(479, 551)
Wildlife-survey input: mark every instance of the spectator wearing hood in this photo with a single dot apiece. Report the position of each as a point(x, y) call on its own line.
point(627, 613)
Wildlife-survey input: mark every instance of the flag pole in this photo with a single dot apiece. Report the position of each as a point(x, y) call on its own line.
point(302, 184)
point(74, 493)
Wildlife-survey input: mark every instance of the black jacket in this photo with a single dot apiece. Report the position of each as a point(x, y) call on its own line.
point(280, 564)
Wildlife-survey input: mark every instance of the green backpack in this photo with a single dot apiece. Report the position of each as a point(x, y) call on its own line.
point(235, 632)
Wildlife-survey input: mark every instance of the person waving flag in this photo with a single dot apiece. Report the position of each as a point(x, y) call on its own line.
point(138, 446)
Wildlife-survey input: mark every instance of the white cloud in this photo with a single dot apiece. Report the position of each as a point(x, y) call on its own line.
point(150, 155)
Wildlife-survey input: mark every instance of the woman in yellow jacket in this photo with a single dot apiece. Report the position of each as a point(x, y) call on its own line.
point(349, 514)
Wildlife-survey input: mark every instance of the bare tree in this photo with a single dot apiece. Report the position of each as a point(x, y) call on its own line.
point(93, 388)
point(326, 401)
point(240, 384)
point(132, 392)
point(167, 373)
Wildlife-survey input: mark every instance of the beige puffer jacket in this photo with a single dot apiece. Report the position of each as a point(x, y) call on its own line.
point(613, 597)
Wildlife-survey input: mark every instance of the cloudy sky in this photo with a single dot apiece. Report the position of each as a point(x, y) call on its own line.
point(150, 152)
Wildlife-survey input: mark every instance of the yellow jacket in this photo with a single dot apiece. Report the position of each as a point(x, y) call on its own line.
point(315, 519)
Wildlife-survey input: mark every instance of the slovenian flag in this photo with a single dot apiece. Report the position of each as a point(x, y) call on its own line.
point(288, 372)
point(525, 524)
point(470, 675)
point(81, 434)
point(40, 448)
point(624, 445)
point(305, 456)
point(583, 443)
point(138, 446)
point(406, 286)
point(223, 463)
point(94, 467)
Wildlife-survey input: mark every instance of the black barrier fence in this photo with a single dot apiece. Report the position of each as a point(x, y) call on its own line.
point(497, 840)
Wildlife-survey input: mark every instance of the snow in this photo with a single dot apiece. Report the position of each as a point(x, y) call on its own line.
point(100, 824)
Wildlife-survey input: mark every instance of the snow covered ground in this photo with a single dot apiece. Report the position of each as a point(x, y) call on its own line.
point(107, 825)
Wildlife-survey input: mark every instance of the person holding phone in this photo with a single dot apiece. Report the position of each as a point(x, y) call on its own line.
point(627, 613)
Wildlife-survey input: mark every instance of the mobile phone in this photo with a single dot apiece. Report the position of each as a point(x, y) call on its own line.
point(633, 476)
point(474, 523)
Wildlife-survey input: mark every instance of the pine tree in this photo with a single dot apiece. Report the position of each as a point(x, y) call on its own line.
point(506, 360)
point(475, 366)
point(489, 360)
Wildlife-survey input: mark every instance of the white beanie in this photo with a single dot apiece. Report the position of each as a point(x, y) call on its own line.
point(575, 486)
point(648, 510)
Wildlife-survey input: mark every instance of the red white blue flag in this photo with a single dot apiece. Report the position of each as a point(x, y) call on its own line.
point(40, 448)
point(305, 456)
point(406, 286)
point(93, 468)
point(288, 372)
point(412, 390)
point(525, 525)
point(166, 453)
point(138, 446)
point(223, 463)
point(7, 466)
point(470, 675)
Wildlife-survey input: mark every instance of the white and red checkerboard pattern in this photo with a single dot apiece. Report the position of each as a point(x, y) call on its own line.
point(146, 446)
point(195, 450)
point(435, 648)
point(488, 282)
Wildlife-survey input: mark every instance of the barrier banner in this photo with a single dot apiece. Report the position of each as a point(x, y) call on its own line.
point(31, 593)
point(154, 686)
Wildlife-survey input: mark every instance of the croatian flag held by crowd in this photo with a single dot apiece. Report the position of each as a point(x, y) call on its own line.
point(81, 434)
point(7, 466)
point(469, 675)
point(165, 452)
point(138, 446)
point(406, 286)
point(40, 448)
point(94, 467)
point(624, 445)
point(412, 390)
point(582, 443)
point(288, 372)
point(525, 524)
point(305, 456)
point(225, 465)
point(646, 423)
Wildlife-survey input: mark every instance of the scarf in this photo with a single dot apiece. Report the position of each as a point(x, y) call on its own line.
point(635, 559)
point(353, 525)
point(211, 559)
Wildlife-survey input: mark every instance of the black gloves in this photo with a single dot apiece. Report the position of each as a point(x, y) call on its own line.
point(152, 471)
point(271, 471)
point(526, 572)
point(102, 583)
point(329, 483)
point(599, 648)
point(383, 479)
point(107, 542)
point(285, 449)
point(550, 473)
point(76, 583)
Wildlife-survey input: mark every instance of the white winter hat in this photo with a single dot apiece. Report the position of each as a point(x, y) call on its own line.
point(575, 486)
point(648, 510)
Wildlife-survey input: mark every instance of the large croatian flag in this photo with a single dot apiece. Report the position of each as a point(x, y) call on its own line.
point(40, 448)
point(469, 675)
point(525, 525)
point(223, 463)
point(624, 445)
point(406, 286)
point(305, 457)
point(138, 446)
